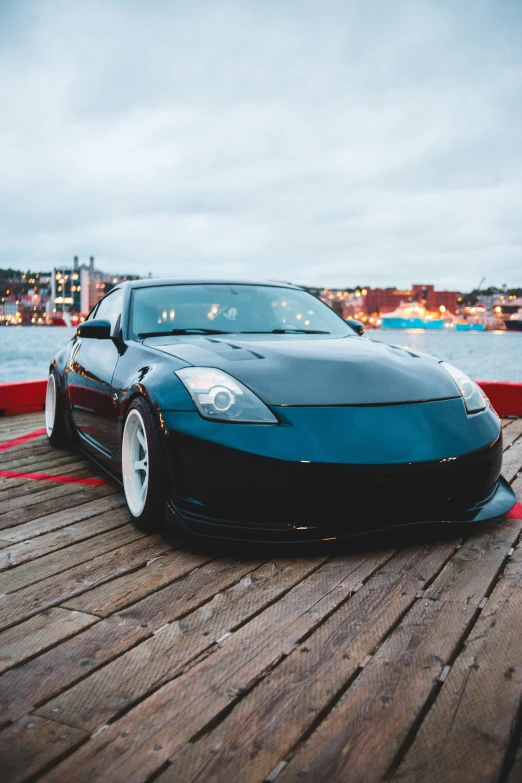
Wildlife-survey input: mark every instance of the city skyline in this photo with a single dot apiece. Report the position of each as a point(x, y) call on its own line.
point(485, 284)
point(374, 142)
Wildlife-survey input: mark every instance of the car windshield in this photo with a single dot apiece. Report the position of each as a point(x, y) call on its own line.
point(222, 308)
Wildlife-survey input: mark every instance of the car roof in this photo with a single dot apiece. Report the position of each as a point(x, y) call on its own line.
point(158, 281)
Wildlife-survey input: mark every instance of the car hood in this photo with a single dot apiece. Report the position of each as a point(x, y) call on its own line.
point(315, 369)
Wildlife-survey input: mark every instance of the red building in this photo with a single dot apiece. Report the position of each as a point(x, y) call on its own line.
point(385, 300)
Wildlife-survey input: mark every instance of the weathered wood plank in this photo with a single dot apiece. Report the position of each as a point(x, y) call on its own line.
point(18, 431)
point(263, 727)
point(61, 586)
point(23, 508)
point(25, 488)
point(468, 574)
point(46, 461)
point(14, 486)
point(512, 461)
point(39, 633)
point(14, 426)
point(20, 457)
point(22, 452)
point(34, 548)
point(45, 676)
point(28, 746)
point(512, 433)
point(15, 430)
point(465, 736)
point(358, 740)
point(29, 419)
point(184, 680)
point(114, 596)
point(21, 448)
point(30, 448)
point(34, 571)
point(82, 505)
point(36, 463)
point(117, 686)
point(363, 732)
point(134, 746)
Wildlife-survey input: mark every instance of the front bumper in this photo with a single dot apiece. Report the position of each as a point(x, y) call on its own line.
point(253, 483)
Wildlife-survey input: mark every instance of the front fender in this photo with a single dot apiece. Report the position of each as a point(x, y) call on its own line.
point(59, 364)
point(146, 373)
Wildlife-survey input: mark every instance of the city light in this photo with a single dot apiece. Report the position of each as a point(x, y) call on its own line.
point(65, 300)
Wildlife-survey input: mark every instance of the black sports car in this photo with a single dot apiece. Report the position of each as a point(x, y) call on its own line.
point(254, 411)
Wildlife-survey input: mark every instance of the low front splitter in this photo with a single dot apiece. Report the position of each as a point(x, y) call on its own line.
point(499, 502)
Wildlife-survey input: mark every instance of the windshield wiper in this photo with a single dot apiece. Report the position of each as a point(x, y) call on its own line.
point(290, 331)
point(299, 331)
point(188, 330)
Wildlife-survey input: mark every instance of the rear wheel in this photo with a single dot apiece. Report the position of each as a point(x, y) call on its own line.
point(54, 415)
point(143, 470)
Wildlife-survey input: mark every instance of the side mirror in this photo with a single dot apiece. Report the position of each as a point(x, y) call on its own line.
point(357, 326)
point(98, 330)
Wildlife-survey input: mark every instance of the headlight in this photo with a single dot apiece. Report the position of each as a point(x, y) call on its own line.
point(474, 398)
point(220, 397)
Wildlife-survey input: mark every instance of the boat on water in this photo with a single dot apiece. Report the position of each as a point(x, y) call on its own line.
point(64, 319)
point(415, 316)
point(514, 322)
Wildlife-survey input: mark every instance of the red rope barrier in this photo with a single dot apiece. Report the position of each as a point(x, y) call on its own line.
point(18, 474)
point(9, 444)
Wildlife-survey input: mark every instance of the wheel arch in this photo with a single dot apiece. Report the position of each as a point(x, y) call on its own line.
point(171, 454)
point(137, 391)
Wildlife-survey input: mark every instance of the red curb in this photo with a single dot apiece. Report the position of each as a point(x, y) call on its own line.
point(28, 396)
point(505, 396)
point(22, 397)
point(515, 513)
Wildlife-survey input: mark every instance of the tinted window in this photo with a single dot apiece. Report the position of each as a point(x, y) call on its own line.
point(109, 308)
point(230, 308)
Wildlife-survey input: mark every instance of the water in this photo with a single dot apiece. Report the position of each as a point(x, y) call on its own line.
point(484, 356)
point(26, 351)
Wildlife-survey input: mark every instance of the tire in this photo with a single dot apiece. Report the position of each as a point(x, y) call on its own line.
point(145, 488)
point(55, 426)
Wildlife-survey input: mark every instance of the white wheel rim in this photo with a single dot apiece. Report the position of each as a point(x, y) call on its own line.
point(135, 462)
point(50, 405)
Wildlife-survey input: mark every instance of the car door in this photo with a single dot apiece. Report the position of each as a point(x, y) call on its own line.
point(90, 372)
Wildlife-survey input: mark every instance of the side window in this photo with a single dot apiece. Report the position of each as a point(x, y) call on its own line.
point(109, 308)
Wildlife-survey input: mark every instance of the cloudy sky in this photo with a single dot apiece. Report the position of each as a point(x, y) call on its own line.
point(331, 142)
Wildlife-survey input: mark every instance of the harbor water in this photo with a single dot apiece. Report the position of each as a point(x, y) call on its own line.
point(26, 351)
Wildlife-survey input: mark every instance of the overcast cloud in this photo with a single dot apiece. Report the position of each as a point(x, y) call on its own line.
point(326, 142)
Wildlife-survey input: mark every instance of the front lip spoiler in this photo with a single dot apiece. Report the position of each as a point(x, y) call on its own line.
point(500, 500)
point(498, 503)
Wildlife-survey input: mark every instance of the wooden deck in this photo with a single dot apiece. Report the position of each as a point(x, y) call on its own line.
point(124, 657)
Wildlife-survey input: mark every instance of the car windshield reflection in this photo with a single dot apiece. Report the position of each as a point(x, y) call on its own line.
point(231, 309)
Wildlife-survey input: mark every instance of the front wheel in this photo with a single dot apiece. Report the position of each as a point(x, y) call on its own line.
point(143, 471)
point(54, 415)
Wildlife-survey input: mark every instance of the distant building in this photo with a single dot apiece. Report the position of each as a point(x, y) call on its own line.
point(386, 300)
point(347, 304)
point(77, 289)
point(64, 295)
point(23, 298)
